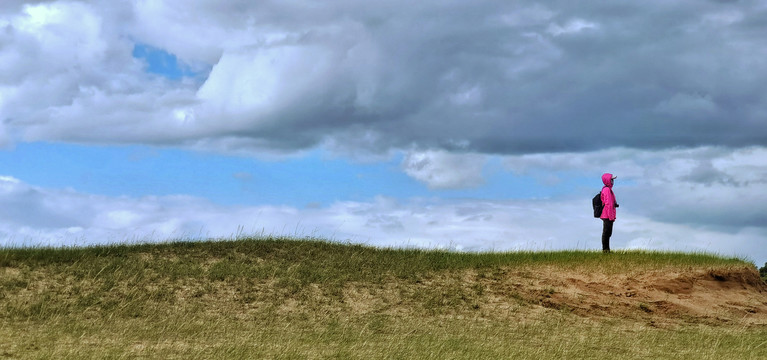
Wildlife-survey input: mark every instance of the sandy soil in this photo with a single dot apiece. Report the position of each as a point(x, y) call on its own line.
point(736, 296)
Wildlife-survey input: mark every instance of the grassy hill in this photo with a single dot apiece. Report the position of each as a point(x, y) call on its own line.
point(301, 299)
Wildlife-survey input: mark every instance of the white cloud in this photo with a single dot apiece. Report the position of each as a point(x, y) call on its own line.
point(261, 84)
point(571, 27)
point(444, 170)
point(706, 186)
point(51, 26)
point(70, 75)
point(292, 77)
point(34, 216)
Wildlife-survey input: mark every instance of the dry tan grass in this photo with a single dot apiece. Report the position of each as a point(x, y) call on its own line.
point(178, 303)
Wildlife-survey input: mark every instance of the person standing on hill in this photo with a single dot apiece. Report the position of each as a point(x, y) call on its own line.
point(608, 212)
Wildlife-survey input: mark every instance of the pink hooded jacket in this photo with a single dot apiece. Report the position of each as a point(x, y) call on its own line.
point(608, 197)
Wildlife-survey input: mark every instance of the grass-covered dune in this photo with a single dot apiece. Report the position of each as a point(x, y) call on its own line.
point(302, 299)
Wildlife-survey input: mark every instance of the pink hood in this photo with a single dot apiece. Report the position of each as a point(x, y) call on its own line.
point(607, 179)
point(608, 197)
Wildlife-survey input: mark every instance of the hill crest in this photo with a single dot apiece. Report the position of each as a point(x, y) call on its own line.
point(289, 277)
point(281, 298)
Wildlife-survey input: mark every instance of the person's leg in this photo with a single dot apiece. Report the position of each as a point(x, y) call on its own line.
point(607, 231)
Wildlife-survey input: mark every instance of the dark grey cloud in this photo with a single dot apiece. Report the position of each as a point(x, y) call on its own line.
point(473, 77)
point(482, 76)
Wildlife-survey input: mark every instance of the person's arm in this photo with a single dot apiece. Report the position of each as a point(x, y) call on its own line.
point(609, 203)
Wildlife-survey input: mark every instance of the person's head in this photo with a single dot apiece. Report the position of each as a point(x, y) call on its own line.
point(608, 179)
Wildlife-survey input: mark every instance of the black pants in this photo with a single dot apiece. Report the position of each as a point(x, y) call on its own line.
point(607, 231)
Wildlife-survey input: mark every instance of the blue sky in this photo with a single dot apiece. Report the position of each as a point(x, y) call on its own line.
point(309, 180)
point(383, 124)
point(161, 62)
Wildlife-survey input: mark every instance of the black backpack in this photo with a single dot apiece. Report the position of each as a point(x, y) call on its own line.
point(596, 202)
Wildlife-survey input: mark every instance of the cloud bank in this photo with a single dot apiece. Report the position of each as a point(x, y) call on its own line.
point(52, 217)
point(488, 77)
point(709, 199)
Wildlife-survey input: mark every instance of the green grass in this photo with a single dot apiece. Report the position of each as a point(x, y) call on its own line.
point(349, 262)
point(297, 299)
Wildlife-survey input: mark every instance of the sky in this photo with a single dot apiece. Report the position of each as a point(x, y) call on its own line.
point(462, 125)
